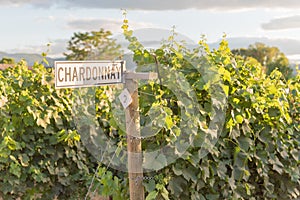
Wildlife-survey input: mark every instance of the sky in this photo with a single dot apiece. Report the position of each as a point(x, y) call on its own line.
point(27, 26)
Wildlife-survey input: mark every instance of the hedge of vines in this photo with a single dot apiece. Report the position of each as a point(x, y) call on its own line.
point(256, 156)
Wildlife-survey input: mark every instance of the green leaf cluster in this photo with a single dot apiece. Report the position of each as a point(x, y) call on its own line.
point(41, 153)
point(256, 155)
point(269, 57)
point(5, 60)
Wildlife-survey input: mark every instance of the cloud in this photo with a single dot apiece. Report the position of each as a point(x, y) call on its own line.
point(160, 4)
point(55, 49)
point(187, 4)
point(45, 19)
point(153, 37)
point(37, 3)
point(94, 24)
point(107, 24)
point(290, 22)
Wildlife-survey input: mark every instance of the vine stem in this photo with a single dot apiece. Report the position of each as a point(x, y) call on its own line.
point(95, 174)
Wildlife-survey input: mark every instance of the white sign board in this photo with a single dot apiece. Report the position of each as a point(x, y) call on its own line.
point(125, 98)
point(74, 74)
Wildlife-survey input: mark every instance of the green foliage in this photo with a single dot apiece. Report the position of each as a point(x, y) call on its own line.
point(34, 125)
point(41, 154)
point(94, 45)
point(7, 61)
point(269, 57)
point(106, 184)
point(255, 156)
point(257, 153)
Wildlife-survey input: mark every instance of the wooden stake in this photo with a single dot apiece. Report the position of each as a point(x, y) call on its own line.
point(134, 143)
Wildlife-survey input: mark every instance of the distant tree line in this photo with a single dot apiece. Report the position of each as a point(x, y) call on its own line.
point(269, 57)
point(5, 60)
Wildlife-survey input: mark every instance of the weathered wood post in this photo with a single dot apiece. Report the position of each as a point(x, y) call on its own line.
point(134, 143)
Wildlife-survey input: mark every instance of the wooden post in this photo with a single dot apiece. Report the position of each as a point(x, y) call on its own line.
point(134, 143)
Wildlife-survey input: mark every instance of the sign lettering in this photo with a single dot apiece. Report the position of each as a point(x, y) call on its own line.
point(72, 74)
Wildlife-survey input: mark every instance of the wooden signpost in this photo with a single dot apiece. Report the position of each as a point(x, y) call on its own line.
point(76, 74)
point(134, 143)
